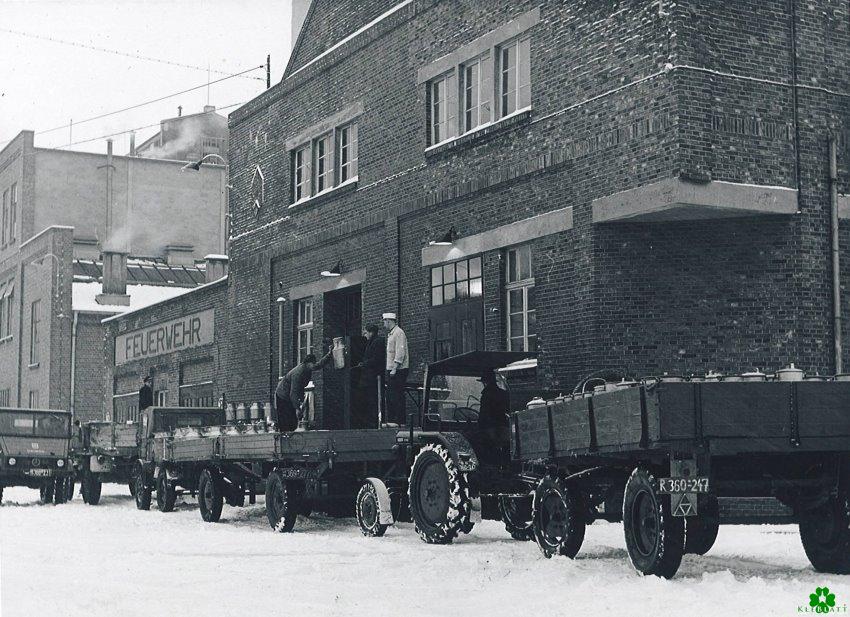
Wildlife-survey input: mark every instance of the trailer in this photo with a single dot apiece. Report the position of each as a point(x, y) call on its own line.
point(426, 471)
point(35, 452)
point(106, 453)
point(658, 455)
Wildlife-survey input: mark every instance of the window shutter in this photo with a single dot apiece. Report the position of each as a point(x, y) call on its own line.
point(524, 84)
point(451, 98)
point(486, 95)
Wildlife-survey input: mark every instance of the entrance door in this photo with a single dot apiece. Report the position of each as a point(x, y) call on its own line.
point(341, 318)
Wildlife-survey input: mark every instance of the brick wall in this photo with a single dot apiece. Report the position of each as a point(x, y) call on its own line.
point(88, 374)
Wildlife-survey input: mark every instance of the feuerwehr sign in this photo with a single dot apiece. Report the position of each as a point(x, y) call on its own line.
point(190, 331)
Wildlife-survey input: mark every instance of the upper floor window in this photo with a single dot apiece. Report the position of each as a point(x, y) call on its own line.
point(522, 315)
point(514, 72)
point(325, 162)
point(33, 399)
point(301, 173)
point(476, 91)
point(6, 304)
point(443, 108)
point(13, 211)
point(4, 218)
point(347, 152)
point(456, 281)
point(303, 329)
point(35, 323)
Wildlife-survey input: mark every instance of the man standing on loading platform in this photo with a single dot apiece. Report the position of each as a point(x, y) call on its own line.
point(398, 366)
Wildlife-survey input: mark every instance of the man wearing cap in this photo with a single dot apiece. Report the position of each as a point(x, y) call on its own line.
point(145, 394)
point(398, 366)
point(289, 394)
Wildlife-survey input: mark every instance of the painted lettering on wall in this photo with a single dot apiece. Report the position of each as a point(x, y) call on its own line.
point(190, 331)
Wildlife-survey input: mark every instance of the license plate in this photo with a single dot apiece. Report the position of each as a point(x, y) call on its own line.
point(682, 485)
point(38, 472)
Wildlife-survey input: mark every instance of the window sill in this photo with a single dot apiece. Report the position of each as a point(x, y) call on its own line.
point(33, 365)
point(348, 185)
point(518, 117)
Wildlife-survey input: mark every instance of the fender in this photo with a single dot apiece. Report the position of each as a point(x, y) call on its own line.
point(458, 446)
point(385, 510)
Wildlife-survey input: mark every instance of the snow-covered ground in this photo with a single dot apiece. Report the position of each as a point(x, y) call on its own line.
point(77, 560)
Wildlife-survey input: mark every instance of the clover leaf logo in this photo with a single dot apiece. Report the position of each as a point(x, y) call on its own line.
point(822, 600)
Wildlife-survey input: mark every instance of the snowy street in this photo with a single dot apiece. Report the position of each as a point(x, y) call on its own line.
point(77, 560)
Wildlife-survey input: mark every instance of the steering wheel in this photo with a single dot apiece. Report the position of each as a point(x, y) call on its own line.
point(464, 414)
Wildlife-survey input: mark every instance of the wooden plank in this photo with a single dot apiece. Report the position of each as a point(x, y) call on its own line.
point(671, 411)
point(570, 425)
point(618, 417)
point(758, 410)
point(824, 409)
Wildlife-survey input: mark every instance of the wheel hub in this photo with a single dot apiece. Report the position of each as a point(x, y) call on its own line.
point(645, 521)
point(434, 493)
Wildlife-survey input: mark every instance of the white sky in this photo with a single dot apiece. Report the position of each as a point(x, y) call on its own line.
point(44, 84)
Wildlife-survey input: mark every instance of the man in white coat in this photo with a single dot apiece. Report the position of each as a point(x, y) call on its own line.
point(398, 367)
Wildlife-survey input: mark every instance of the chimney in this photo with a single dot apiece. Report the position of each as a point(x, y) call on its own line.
point(179, 110)
point(208, 109)
point(132, 143)
point(110, 168)
point(216, 267)
point(114, 279)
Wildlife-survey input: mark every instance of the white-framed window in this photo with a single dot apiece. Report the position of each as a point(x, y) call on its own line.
point(347, 152)
point(161, 398)
point(514, 75)
point(303, 329)
point(456, 282)
point(519, 287)
point(476, 90)
point(443, 96)
point(301, 173)
point(5, 397)
point(7, 303)
point(35, 323)
point(323, 151)
point(4, 220)
point(33, 399)
point(13, 211)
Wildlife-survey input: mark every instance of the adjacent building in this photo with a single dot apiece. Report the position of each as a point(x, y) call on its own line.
point(642, 186)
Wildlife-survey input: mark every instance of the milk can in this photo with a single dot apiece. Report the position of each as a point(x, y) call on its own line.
point(255, 411)
point(755, 375)
point(339, 352)
point(535, 402)
point(241, 413)
point(229, 414)
point(790, 373)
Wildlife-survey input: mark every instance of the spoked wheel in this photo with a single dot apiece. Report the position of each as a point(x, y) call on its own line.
point(825, 532)
point(210, 497)
point(439, 498)
point(282, 502)
point(368, 511)
point(701, 530)
point(166, 495)
point(557, 522)
point(655, 538)
point(142, 491)
point(516, 512)
point(91, 488)
point(45, 491)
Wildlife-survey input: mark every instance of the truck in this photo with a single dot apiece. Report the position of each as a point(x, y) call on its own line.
point(106, 453)
point(427, 470)
point(35, 452)
point(659, 455)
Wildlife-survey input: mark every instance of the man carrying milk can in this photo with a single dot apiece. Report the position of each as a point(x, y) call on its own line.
point(398, 366)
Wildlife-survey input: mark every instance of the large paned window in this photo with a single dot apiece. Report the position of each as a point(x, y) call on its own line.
point(325, 162)
point(347, 152)
point(443, 108)
point(35, 324)
point(6, 302)
point(514, 73)
point(476, 91)
point(522, 316)
point(33, 399)
point(4, 219)
point(303, 329)
point(301, 177)
point(13, 211)
point(456, 281)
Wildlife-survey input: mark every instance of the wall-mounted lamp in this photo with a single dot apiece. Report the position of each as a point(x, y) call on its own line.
point(335, 271)
point(447, 240)
point(196, 166)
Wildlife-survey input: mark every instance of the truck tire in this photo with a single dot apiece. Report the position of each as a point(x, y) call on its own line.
point(282, 502)
point(60, 490)
point(701, 530)
point(132, 485)
point(91, 488)
point(516, 513)
point(45, 492)
point(655, 539)
point(368, 510)
point(439, 496)
point(166, 495)
point(1, 494)
point(143, 492)
point(825, 532)
point(210, 496)
point(557, 522)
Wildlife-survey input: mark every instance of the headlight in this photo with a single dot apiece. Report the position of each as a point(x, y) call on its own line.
point(12, 460)
point(60, 463)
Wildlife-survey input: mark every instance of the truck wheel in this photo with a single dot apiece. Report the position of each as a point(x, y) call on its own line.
point(655, 538)
point(91, 487)
point(70, 486)
point(701, 530)
point(143, 492)
point(556, 519)
point(368, 511)
point(439, 497)
point(210, 497)
point(1, 494)
point(282, 502)
point(132, 485)
point(60, 491)
point(517, 517)
point(45, 492)
point(825, 533)
point(166, 495)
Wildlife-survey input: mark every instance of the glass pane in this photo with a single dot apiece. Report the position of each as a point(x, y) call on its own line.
point(475, 288)
point(436, 296)
point(532, 323)
point(515, 301)
point(463, 290)
point(516, 325)
point(436, 276)
point(512, 266)
point(449, 273)
point(462, 270)
point(532, 343)
point(474, 267)
point(525, 263)
point(448, 293)
point(517, 343)
point(530, 304)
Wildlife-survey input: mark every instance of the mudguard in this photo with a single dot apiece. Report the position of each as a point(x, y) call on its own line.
point(385, 507)
point(458, 446)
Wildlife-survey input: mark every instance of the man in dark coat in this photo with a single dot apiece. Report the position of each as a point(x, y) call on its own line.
point(371, 370)
point(493, 420)
point(145, 394)
point(289, 395)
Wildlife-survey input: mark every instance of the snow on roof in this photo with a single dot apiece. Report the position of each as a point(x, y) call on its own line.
point(83, 297)
point(180, 291)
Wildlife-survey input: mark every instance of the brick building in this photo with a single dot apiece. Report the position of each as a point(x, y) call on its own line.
point(638, 184)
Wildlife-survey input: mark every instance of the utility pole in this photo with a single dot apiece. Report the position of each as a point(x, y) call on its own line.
point(268, 71)
point(836, 263)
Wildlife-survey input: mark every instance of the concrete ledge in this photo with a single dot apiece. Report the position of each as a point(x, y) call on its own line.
point(324, 285)
point(675, 199)
point(500, 237)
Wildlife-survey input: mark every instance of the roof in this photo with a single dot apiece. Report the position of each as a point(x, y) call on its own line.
point(179, 292)
point(84, 294)
point(476, 363)
point(145, 272)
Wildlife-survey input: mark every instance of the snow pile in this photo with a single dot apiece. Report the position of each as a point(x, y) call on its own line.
point(76, 560)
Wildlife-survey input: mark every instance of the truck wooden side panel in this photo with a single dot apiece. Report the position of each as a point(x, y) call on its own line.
point(823, 409)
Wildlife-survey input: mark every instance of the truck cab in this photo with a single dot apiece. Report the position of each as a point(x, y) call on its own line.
point(35, 448)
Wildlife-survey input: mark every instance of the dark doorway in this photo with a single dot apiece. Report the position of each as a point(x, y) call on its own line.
point(342, 318)
point(456, 328)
